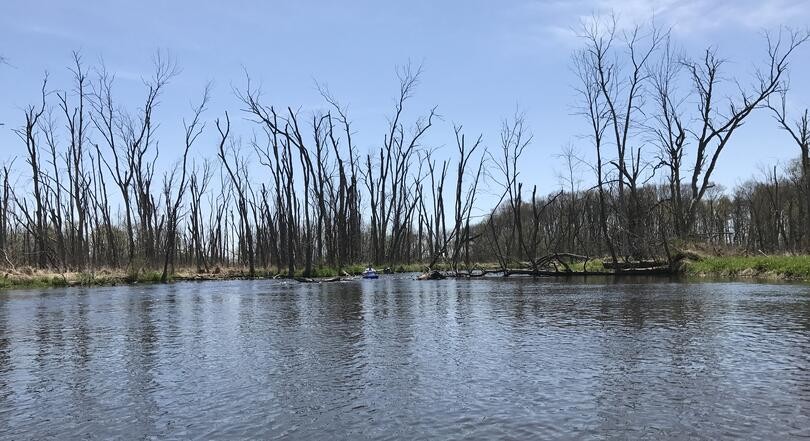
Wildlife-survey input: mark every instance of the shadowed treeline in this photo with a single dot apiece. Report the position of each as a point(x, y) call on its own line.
point(299, 196)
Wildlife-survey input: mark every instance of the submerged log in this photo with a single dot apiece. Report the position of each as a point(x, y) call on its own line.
point(324, 280)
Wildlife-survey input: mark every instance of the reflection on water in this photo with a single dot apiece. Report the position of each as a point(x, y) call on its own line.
point(396, 358)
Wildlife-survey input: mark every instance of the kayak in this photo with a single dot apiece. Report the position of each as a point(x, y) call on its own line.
point(370, 273)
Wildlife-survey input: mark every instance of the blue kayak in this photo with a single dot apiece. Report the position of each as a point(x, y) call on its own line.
point(370, 273)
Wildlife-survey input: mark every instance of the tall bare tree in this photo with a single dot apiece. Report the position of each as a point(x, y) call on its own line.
point(193, 129)
point(799, 131)
point(716, 126)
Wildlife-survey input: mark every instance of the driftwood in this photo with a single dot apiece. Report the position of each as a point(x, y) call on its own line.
point(634, 265)
point(652, 271)
point(657, 271)
point(320, 280)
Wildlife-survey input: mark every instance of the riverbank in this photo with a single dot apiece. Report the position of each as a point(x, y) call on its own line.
point(773, 268)
point(788, 268)
point(34, 278)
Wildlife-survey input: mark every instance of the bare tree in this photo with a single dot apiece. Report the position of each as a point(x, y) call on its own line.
point(237, 171)
point(620, 77)
point(669, 130)
point(28, 134)
point(799, 131)
point(594, 109)
point(465, 199)
point(715, 127)
point(193, 129)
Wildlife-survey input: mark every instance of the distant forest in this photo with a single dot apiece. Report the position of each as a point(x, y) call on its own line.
point(97, 192)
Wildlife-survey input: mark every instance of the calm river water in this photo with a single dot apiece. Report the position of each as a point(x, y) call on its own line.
point(397, 358)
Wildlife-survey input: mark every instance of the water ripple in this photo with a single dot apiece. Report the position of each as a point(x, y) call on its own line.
point(395, 358)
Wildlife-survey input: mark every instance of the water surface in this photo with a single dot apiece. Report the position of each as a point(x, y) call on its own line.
point(397, 358)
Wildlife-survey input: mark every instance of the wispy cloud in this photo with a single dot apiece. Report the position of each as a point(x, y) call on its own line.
point(35, 29)
point(558, 20)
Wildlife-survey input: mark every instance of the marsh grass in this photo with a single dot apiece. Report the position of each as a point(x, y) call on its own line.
point(591, 265)
point(34, 278)
point(796, 268)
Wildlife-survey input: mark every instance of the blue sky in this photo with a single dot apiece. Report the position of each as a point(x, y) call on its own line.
point(481, 59)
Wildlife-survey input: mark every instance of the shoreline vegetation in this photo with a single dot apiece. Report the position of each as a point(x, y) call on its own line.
point(736, 267)
point(99, 194)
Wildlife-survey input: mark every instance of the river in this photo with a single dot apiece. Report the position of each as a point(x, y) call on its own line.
point(397, 358)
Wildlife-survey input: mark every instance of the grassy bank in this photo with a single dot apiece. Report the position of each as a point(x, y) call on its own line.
point(795, 268)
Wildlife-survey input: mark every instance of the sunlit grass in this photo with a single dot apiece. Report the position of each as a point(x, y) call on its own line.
point(773, 267)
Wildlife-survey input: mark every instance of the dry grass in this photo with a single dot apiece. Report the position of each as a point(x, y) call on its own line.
point(27, 277)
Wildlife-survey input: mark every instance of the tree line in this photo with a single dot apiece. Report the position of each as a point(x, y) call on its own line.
point(93, 188)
